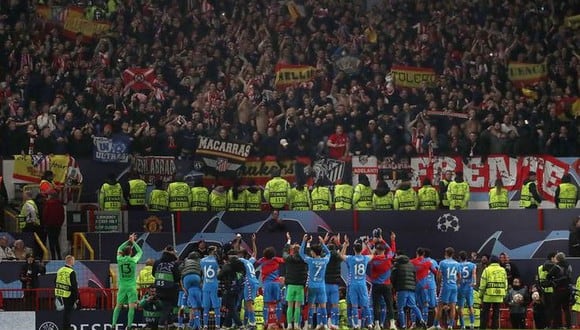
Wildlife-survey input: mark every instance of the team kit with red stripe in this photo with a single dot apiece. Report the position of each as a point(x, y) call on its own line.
point(308, 296)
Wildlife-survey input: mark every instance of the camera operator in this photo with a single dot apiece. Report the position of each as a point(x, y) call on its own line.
point(29, 275)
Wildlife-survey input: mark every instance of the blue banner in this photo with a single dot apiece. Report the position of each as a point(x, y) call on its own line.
point(111, 150)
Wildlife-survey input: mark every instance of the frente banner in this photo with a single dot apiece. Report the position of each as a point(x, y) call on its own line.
point(223, 156)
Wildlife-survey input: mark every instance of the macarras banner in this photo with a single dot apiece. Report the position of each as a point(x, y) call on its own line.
point(222, 155)
point(290, 75)
point(522, 74)
point(413, 77)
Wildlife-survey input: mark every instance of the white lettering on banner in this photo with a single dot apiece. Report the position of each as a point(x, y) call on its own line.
point(552, 176)
point(480, 176)
point(507, 171)
point(419, 166)
point(474, 173)
point(235, 149)
point(442, 165)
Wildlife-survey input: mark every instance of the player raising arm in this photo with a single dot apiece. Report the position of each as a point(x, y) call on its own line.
point(357, 293)
point(250, 282)
point(317, 263)
point(270, 276)
point(127, 281)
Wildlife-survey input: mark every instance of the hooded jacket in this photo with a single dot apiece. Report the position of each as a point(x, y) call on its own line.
point(403, 276)
point(167, 263)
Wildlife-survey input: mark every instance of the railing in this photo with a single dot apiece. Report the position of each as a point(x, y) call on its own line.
point(43, 299)
point(81, 246)
point(40, 243)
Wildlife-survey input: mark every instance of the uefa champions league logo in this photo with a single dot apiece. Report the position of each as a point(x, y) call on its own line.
point(48, 326)
point(448, 223)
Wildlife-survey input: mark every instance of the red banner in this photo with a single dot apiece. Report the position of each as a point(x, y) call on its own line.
point(139, 79)
point(481, 176)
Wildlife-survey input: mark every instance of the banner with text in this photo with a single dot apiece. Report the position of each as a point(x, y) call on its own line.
point(222, 156)
point(151, 168)
point(259, 170)
point(75, 22)
point(289, 75)
point(30, 168)
point(111, 150)
point(480, 176)
point(523, 74)
point(406, 76)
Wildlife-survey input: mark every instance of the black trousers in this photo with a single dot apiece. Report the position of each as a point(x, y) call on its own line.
point(66, 314)
point(232, 304)
point(382, 291)
point(53, 233)
point(548, 308)
point(561, 303)
point(518, 320)
point(485, 315)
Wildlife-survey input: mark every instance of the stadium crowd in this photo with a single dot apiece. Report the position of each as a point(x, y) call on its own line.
point(214, 66)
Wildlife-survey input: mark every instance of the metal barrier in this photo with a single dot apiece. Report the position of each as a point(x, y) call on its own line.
point(81, 246)
point(43, 299)
point(66, 194)
point(45, 253)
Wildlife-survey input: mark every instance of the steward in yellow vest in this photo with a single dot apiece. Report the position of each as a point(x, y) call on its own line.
point(137, 193)
point(300, 197)
point(179, 195)
point(383, 197)
point(158, 198)
point(458, 193)
point(29, 213)
point(277, 191)
point(493, 285)
point(576, 306)
point(343, 193)
point(66, 290)
point(405, 197)
point(529, 196)
point(218, 199)
point(566, 193)
point(498, 196)
point(362, 198)
point(428, 196)
point(542, 276)
point(236, 199)
point(111, 195)
point(199, 197)
point(443, 185)
point(321, 197)
point(253, 197)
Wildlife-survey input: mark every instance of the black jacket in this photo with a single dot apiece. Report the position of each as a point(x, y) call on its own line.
point(333, 269)
point(296, 268)
point(403, 274)
point(560, 275)
point(574, 243)
point(167, 261)
point(29, 274)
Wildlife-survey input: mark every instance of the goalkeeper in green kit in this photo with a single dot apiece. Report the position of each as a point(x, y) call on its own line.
point(127, 281)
